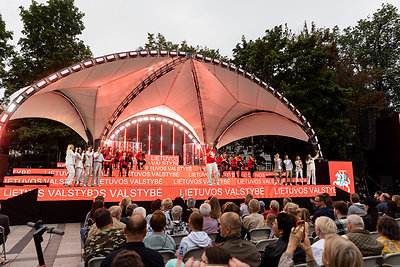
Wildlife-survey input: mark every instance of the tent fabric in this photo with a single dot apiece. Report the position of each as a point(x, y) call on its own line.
point(206, 95)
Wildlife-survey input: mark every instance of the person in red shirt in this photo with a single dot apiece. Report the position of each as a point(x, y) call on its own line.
point(130, 158)
point(108, 162)
point(211, 164)
point(239, 163)
point(273, 208)
point(123, 161)
point(117, 155)
point(219, 165)
point(234, 165)
point(225, 163)
point(250, 166)
point(140, 158)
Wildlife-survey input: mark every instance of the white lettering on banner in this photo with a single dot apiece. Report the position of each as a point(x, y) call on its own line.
point(22, 171)
point(189, 192)
point(136, 192)
point(165, 174)
point(13, 192)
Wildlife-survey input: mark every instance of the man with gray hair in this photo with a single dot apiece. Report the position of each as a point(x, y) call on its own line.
point(362, 238)
point(115, 212)
point(323, 226)
point(191, 203)
point(176, 226)
point(210, 225)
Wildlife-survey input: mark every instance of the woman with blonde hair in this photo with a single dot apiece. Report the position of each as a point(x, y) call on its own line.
point(69, 164)
point(123, 204)
point(78, 166)
point(299, 169)
point(294, 209)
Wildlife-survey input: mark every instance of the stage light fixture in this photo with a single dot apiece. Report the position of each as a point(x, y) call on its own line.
point(308, 124)
point(175, 124)
point(248, 74)
point(264, 84)
point(199, 56)
point(4, 118)
point(88, 63)
point(41, 84)
point(186, 132)
point(241, 70)
point(110, 57)
point(291, 106)
point(224, 64)
point(312, 131)
point(173, 53)
point(171, 122)
point(158, 119)
point(112, 136)
point(76, 67)
point(134, 121)
point(65, 72)
point(153, 52)
point(1, 127)
point(163, 52)
point(278, 94)
point(127, 124)
point(29, 90)
point(164, 120)
point(11, 107)
point(143, 53)
point(117, 131)
point(53, 77)
point(122, 55)
point(133, 54)
point(182, 54)
point(303, 119)
point(121, 128)
point(285, 100)
point(316, 139)
point(152, 118)
point(190, 136)
point(145, 118)
point(140, 119)
point(233, 67)
point(208, 59)
point(181, 128)
point(319, 148)
point(19, 99)
point(257, 79)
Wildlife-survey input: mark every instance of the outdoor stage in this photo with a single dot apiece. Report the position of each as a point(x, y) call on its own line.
point(164, 180)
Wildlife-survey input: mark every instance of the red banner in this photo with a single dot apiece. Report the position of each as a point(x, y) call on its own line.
point(60, 164)
point(341, 175)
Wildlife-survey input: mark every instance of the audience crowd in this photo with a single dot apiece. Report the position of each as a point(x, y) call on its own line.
point(338, 233)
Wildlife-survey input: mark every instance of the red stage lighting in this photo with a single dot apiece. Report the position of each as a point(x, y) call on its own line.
point(149, 139)
point(161, 139)
point(173, 140)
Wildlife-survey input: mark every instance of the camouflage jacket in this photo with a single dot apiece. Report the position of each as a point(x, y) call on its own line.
point(101, 244)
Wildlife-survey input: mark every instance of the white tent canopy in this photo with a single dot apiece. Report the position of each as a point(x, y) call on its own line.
point(218, 101)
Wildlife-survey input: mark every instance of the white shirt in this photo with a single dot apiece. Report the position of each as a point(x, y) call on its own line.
point(317, 250)
point(310, 163)
point(299, 165)
point(88, 159)
point(78, 160)
point(288, 164)
point(98, 157)
point(70, 157)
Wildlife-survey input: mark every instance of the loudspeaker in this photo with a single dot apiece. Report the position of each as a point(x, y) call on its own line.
point(367, 122)
point(4, 149)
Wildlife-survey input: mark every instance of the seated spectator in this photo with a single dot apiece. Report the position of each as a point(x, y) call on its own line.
point(294, 209)
point(244, 209)
point(396, 198)
point(5, 222)
point(323, 227)
point(254, 220)
point(106, 240)
point(382, 207)
point(191, 203)
point(196, 238)
point(89, 221)
point(185, 209)
point(140, 210)
point(287, 200)
point(155, 205)
point(115, 212)
point(329, 202)
point(389, 230)
point(377, 195)
point(158, 240)
point(392, 210)
point(209, 225)
point(166, 207)
point(244, 232)
point(338, 252)
point(269, 223)
point(123, 204)
point(215, 209)
point(176, 226)
point(216, 255)
point(135, 231)
point(128, 212)
point(282, 228)
point(273, 208)
point(262, 207)
point(322, 209)
point(340, 210)
point(127, 258)
point(372, 217)
point(362, 238)
point(356, 207)
point(305, 216)
point(244, 250)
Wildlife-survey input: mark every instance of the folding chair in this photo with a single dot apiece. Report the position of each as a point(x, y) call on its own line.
point(390, 260)
point(372, 261)
point(95, 262)
point(2, 232)
point(213, 235)
point(167, 255)
point(178, 238)
point(193, 252)
point(263, 243)
point(259, 234)
point(375, 235)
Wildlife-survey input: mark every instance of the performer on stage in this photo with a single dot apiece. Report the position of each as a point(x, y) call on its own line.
point(97, 166)
point(123, 161)
point(299, 169)
point(78, 166)
point(88, 165)
point(130, 158)
point(289, 170)
point(117, 156)
point(225, 163)
point(140, 158)
point(278, 169)
point(69, 164)
point(311, 178)
point(239, 163)
point(251, 165)
point(211, 164)
point(108, 164)
point(234, 165)
point(219, 165)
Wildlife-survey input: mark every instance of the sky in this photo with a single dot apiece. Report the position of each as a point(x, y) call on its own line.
point(122, 25)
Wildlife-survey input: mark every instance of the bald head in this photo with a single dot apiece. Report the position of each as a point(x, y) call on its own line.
point(230, 222)
point(135, 228)
point(115, 212)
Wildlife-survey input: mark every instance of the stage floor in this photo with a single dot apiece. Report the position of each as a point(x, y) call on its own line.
point(148, 185)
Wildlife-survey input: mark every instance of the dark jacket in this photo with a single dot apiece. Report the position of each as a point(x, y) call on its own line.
point(274, 251)
point(5, 222)
point(369, 224)
point(244, 250)
point(243, 232)
point(365, 242)
point(328, 212)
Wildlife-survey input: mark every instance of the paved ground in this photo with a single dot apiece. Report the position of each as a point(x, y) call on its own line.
point(58, 250)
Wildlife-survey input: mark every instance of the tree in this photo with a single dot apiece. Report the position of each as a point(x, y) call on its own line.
point(160, 43)
point(302, 67)
point(371, 50)
point(6, 50)
point(50, 42)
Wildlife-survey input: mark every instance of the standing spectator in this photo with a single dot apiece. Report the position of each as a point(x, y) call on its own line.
point(215, 208)
point(5, 222)
point(277, 169)
point(210, 225)
point(243, 207)
point(158, 240)
point(323, 226)
point(282, 228)
point(289, 169)
point(322, 209)
point(382, 207)
point(340, 210)
point(273, 208)
point(311, 177)
point(389, 230)
point(254, 220)
point(106, 240)
point(361, 237)
point(356, 207)
point(135, 231)
point(244, 250)
point(196, 238)
point(371, 219)
point(176, 226)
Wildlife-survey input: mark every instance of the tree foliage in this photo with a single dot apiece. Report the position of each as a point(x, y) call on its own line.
point(50, 42)
point(6, 50)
